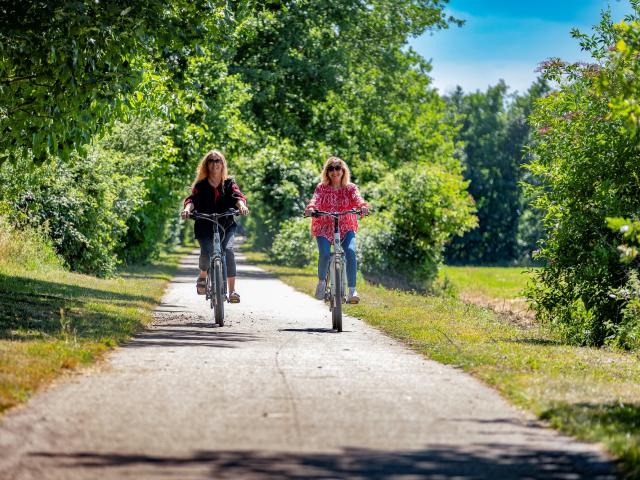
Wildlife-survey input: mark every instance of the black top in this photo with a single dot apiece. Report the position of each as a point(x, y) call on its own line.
point(207, 199)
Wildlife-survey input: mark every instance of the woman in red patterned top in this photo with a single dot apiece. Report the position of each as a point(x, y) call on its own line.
point(214, 191)
point(335, 193)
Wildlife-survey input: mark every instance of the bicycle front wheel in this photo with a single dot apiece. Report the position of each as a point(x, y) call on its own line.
point(336, 311)
point(218, 293)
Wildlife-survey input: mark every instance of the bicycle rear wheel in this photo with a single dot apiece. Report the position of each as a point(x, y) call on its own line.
point(336, 311)
point(218, 293)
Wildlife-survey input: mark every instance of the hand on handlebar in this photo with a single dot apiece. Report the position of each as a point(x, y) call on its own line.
point(242, 208)
point(186, 213)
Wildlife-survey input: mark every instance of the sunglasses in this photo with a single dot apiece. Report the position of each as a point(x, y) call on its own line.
point(336, 168)
point(215, 160)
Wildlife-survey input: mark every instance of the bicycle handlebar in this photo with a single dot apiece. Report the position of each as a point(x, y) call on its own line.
point(213, 216)
point(320, 213)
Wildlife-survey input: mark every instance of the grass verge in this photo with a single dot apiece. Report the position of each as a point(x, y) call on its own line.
point(498, 288)
point(52, 320)
point(492, 282)
point(592, 394)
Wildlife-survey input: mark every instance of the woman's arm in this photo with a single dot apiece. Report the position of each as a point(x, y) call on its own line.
point(241, 200)
point(357, 201)
point(188, 204)
point(313, 202)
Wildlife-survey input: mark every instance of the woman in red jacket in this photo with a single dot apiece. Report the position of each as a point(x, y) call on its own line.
point(335, 193)
point(214, 191)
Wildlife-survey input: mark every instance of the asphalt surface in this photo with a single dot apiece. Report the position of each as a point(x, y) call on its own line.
point(275, 393)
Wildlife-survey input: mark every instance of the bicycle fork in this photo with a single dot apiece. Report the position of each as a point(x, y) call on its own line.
point(217, 255)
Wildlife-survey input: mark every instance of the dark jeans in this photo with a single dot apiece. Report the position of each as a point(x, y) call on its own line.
point(228, 257)
point(349, 247)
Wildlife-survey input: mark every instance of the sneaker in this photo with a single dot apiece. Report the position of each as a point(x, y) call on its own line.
point(353, 296)
point(322, 286)
point(201, 285)
point(234, 297)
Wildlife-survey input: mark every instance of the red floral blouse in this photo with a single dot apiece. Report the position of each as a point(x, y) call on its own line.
point(338, 200)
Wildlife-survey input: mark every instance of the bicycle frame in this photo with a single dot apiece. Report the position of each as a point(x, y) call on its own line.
point(336, 264)
point(216, 285)
point(335, 292)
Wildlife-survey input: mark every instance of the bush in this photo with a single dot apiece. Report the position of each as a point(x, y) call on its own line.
point(587, 165)
point(626, 333)
point(110, 204)
point(293, 245)
point(417, 209)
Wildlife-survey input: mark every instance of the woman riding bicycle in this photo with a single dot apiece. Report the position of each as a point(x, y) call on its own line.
point(336, 194)
point(213, 191)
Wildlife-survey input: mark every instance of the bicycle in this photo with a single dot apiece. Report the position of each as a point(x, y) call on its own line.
point(216, 284)
point(336, 276)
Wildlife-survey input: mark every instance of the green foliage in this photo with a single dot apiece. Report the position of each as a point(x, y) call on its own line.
point(630, 232)
point(494, 130)
point(98, 208)
point(293, 245)
point(627, 332)
point(67, 69)
point(151, 159)
point(404, 243)
point(84, 203)
point(279, 178)
point(278, 86)
point(587, 165)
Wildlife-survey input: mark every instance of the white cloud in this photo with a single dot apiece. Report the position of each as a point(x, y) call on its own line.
point(472, 76)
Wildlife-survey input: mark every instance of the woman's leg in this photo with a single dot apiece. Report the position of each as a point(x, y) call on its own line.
point(324, 250)
point(229, 258)
point(206, 250)
point(349, 247)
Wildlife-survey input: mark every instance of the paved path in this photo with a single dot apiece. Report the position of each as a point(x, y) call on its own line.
point(276, 394)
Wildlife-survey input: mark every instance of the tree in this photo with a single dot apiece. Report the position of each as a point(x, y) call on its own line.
point(494, 131)
point(68, 69)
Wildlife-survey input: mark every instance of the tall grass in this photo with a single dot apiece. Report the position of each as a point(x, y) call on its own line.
point(26, 249)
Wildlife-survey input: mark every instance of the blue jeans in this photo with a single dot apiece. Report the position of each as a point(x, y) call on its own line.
point(349, 247)
point(228, 257)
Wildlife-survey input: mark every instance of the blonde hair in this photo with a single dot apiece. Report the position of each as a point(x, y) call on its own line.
point(202, 171)
point(346, 173)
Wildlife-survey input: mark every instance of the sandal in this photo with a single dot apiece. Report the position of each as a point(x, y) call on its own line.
point(234, 297)
point(201, 286)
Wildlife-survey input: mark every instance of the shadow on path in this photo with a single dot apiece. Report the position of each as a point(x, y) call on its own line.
point(441, 462)
point(308, 330)
point(185, 335)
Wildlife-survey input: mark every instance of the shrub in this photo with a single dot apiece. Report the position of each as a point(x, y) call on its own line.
point(417, 209)
point(109, 204)
point(587, 165)
point(293, 245)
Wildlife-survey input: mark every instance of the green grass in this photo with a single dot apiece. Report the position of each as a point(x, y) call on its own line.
point(492, 282)
point(593, 394)
point(52, 320)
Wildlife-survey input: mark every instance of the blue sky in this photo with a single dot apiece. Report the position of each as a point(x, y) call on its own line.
point(508, 39)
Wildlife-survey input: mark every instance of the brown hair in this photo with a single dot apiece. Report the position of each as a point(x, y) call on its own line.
point(202, 171)
point(346, 173)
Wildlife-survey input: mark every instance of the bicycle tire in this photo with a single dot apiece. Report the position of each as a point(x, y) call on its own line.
point(336, 311)
point(218, 292)
point(209, 289)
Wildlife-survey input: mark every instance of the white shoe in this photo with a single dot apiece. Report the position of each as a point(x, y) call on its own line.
point(353, 296)
point(320, 288)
